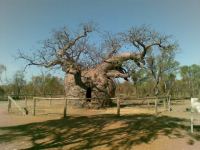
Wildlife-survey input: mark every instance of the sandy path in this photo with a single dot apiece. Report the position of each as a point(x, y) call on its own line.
point(139, 131)
point(10, 119)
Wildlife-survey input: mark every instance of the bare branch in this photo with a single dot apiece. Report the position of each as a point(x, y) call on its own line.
point(33, 61)
point(116, 74)
point(112, 44)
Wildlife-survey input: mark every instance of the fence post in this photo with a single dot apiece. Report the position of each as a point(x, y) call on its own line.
point(65, 108)
point(148, 103)
point(156, 105)
point(192, 124)
point(165, 103)
point(9, 104)
point(50, 100)
point(34, 106)
point(25, 102)
point(118, 107)
point(169, 103)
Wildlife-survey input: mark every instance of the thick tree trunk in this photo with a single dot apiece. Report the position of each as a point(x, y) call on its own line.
point(93, 84)
point(98, 82)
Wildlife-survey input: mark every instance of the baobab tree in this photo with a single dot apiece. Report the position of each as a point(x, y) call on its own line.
point(91, 69)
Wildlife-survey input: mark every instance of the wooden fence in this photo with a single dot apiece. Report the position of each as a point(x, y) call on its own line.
point(67, 99)
point(165, 100)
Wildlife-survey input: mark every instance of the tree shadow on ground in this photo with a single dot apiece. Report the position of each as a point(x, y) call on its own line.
point(96, 131)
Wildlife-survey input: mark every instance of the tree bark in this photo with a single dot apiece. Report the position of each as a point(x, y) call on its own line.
point(100, 80)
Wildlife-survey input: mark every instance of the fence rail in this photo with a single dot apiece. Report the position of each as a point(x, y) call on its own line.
point(10, 101)
point(66, 103)
point(39, 105)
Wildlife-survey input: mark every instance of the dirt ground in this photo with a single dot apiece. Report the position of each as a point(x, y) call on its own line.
point(138, 128)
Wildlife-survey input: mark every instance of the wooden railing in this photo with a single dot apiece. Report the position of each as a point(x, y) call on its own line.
point(66, 103)
point(166, 103)
point(10, 101)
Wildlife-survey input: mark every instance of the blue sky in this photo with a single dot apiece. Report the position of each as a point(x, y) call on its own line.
point(23, 23)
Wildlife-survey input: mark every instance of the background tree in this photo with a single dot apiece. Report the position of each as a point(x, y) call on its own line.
point(2, 69)
point(191, 79)
point(18, 83)
point(167, 83)
point(162, 67)
point(46, 85)
point(138, 75)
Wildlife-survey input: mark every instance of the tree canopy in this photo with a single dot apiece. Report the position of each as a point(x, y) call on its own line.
point(94, 65)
